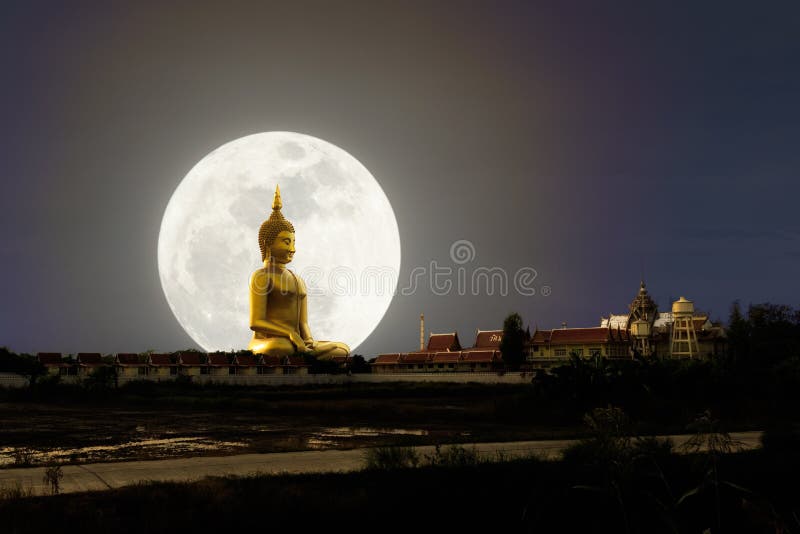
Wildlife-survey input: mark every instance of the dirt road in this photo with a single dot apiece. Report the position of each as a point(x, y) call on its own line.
point(102, 476)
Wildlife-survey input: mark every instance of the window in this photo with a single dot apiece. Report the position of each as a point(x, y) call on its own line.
point(560, 352)
point(440, 366)
point(451, 365)
point(231, 370)
point(205, 370)
point(596, 350)
point(420, 366)
point(536, 348)
point(577, 352)
point(173, 370)
point(142, 371)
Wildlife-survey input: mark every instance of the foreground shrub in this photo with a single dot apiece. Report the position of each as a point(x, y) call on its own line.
point(609, 442)
point(781, 438)
point(15, 492)
point(391, 458)
point(23, 456)
point(453, 456)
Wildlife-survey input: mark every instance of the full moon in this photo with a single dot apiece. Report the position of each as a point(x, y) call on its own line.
point(347, 241)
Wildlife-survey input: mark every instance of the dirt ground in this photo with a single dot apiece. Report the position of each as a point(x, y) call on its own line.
point(193, 425)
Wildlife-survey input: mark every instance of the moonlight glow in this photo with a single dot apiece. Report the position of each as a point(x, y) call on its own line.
point(348, 245)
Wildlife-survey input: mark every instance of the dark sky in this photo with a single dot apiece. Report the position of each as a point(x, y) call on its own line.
point(591, 141)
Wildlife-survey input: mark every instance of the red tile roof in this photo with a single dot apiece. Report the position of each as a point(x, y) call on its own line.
point(480, 356)
point(488, 339)
point(541, 336)
point(90, 358)
point(245, 360)
point(416, 357)
point(160, 359)
point(446, 357)
point(295, 361)
point(384, 359)
point(579, 336)
point(272, 361)
point(191, 358)
point(439, 342)
point(51, 358)
point(128, 358)
point(218, 360)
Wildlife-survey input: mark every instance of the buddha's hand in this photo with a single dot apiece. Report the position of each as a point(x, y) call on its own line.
point(297, 341)
point(310, 343)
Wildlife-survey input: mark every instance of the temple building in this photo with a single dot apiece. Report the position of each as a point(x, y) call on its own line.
point(548, 348)
point(656, 339)
point(444, 353)
point(641, 332)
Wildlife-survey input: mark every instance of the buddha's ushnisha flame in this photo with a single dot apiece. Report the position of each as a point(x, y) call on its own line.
point(276, 224)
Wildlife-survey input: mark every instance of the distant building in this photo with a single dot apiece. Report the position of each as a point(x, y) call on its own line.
point(192, 364)
point(444, 353)
point(55, 364)
point(547, 348)
point(643, 331)
point(130, 365)
point(89, 362)
point(161, 366)
point(711, 337)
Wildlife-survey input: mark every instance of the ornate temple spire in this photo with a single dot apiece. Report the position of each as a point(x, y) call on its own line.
point(643, 306)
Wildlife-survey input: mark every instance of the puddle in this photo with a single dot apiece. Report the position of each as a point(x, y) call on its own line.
point(332, 436)
point(139, 448)
point(265, 428)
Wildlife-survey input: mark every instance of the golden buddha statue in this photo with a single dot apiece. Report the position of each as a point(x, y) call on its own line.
point(278, 307)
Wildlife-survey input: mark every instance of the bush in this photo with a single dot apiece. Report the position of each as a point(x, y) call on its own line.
point(22, 364)
point(654, 447)
point(391, 458)
point(782, 438)
point(453, 456)
point(14, 492)
point(103, 378)
point(52, 477)
point(610, 440)
point(23, 456)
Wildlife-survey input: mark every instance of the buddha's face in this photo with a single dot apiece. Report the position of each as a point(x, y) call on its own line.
point(282, 249)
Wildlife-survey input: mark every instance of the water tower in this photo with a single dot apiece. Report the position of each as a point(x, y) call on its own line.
point(684, 338)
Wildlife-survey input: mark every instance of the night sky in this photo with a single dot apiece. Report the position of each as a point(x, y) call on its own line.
point(591, 142)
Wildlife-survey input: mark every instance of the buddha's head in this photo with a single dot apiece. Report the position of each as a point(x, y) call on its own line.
point(276, 235)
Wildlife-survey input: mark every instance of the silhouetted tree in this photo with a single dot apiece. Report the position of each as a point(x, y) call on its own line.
point(738, 335)
point(512, 345)
point(22, 364)
point(358, 364)
point(768, 335)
